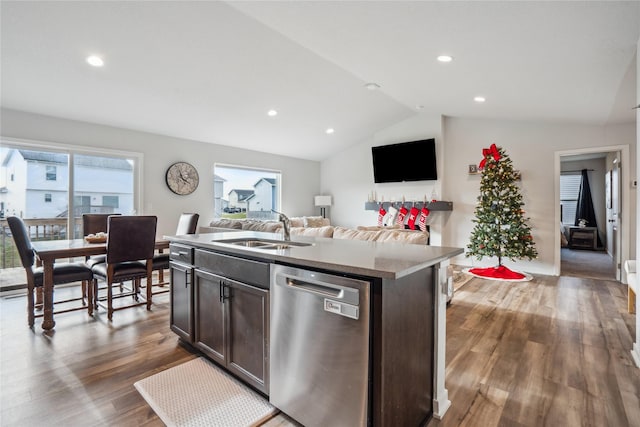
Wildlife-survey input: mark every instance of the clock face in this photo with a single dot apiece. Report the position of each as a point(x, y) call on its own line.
point(182, 178)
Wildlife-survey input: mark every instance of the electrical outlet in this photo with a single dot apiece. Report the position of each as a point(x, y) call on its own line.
point(634, 183)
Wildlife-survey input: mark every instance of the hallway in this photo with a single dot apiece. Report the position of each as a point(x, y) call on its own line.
point(586, 264)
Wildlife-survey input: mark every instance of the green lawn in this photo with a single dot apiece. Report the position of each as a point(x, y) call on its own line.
point(241, 215)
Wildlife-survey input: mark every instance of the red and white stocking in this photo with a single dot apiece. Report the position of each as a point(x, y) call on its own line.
point(422, 222)
point(390, 218)
point(413, 216)
point(402, 213)
point(381, 214)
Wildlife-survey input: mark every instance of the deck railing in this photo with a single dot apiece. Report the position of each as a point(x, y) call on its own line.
point(38, 229)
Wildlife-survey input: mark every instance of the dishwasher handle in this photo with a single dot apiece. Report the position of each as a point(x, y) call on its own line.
point(315, 288)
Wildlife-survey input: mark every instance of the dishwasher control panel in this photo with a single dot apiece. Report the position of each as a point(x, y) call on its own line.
point(341, 308)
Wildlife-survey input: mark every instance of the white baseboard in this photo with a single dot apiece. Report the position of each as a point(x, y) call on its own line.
point(635, 353)
point(440, 407)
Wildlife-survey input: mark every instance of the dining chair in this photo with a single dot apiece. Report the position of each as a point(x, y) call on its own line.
point(62, 272)
point(94, 224)
point(187, 224)
point(130, 249)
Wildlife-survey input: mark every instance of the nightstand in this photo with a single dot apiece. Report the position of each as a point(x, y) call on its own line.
point(583, 238)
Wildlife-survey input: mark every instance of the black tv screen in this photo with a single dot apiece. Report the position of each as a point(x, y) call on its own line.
point(407, 161)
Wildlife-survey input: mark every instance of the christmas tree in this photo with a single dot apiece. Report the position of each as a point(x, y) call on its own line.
point(501, 229)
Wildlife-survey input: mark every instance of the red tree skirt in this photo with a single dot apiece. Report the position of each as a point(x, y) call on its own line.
point(498, 273)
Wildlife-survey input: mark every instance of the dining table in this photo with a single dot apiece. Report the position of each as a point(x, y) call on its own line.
point(48, 251)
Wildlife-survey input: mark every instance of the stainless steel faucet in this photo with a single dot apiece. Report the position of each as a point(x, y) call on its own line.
point(285, 223)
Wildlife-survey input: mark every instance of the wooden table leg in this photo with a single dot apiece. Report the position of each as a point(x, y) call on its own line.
point(39, 298)
point(48, 323)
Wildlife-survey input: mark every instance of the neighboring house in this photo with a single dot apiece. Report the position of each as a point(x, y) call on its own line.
point(37, 182)
point(264, 196)
point(238, 199)
point(218, 202)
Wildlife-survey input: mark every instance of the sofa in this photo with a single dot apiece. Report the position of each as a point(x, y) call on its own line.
point(312, 226)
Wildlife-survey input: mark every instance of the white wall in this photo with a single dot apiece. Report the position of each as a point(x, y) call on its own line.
point(532, 148)
point(300, 178)
point(348, 175)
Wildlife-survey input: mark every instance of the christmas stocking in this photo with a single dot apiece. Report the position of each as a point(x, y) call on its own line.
point(390, 218)
point(381, 214)
point(401, 215)
point(422, 222)
point(413, 216)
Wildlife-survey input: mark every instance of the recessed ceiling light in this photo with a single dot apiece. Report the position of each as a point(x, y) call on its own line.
point(372, 86)
point(330, 131)
point(272, 113)
point(445, 58)
point(95, 61)
point(419, 107)
point(479, 99)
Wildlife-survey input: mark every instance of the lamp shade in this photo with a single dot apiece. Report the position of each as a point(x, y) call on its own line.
point(322, 200)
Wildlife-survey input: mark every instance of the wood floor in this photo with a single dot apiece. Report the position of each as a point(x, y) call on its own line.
point(551, 352)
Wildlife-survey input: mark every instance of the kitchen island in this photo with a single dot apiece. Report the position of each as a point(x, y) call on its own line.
point(225, 302)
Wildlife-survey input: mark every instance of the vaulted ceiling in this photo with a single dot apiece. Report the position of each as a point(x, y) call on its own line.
point(210, 71)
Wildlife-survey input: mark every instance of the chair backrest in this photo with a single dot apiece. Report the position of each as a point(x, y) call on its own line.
point(130, 238)
point(94, 223)
point(187, 224)
point(22, 241)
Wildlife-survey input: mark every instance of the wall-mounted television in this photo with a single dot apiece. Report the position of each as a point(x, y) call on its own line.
point(407, 161)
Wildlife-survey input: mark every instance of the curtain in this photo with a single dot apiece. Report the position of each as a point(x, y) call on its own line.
point(585, 210)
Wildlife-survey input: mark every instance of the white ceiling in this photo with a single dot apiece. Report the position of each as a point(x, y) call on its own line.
point(209, 71)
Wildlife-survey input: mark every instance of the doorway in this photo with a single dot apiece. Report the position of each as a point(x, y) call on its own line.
point(595, 250)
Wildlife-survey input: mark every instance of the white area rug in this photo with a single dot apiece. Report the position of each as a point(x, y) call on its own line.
point(199, 394)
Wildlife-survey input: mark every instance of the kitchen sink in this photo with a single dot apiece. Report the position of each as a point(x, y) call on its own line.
point(262, 243)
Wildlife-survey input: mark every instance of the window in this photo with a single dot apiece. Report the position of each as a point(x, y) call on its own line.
point(110, 201)
point(569, 189)
point(108, 180)
point(36, 172)
point(243, 192)
point(39, 188)
point(51, 173)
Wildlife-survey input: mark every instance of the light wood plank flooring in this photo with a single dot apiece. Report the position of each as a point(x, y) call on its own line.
point(551, 352)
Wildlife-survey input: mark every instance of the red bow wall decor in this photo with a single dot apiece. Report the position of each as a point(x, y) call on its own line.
point(491, 151)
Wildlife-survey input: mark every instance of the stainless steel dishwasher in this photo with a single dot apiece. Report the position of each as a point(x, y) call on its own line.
point(319, 351)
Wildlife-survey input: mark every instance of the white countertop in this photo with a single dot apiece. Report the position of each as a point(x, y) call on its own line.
point(388, 260)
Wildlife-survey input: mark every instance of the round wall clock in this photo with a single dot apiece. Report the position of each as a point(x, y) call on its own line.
point(182, 178)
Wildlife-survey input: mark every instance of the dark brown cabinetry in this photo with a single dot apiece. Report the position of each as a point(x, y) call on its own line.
point(232, 326)
point(181, 271)
point(220, 304)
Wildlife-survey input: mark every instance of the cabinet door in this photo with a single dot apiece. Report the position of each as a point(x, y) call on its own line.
point(248, 345)
point(210, 323)
point(181, 301)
